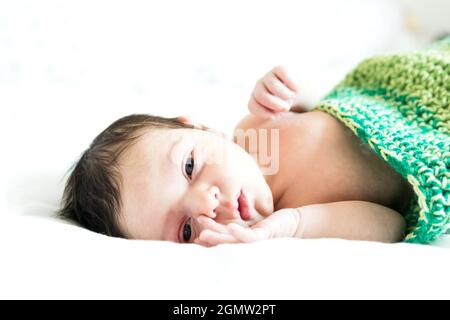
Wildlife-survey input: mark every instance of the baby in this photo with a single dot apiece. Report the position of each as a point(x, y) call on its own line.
point(148, 177)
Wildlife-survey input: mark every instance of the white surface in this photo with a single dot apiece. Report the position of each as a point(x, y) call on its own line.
point(56, 260)
point(68, 69)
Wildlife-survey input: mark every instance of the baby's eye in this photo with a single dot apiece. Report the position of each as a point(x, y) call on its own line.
point(189, 166)
point(187, 232)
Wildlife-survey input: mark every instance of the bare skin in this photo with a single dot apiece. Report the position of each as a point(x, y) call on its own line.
point(339, 186)
point(318, 149)
point(327, 184)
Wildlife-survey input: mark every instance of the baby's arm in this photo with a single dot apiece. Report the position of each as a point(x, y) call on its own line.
point(354, 220)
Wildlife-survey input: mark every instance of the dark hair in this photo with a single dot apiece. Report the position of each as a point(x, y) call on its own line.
point(92, 193)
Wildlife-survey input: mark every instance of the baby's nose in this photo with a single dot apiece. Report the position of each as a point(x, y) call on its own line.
point(207, 203)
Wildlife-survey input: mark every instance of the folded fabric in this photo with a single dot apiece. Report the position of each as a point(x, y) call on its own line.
point(399, 104)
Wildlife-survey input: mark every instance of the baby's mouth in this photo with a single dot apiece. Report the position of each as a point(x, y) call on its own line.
point(244, 208)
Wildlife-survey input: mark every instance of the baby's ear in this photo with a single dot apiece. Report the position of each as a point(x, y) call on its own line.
point(188, 120)
point(185, 120)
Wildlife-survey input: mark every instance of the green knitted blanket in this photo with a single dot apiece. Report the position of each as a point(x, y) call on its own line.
point(399, 104)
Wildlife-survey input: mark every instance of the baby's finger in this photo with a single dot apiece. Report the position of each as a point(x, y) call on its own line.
point(277, 88)
point(247, 234)
point(202, 243)
point(284, 77)
point(214, 238)
point(243, 235)
point(265, 98)
point(259, 110)
point(208, 223)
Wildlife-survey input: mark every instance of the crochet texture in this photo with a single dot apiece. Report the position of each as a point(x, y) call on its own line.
point(398, 104)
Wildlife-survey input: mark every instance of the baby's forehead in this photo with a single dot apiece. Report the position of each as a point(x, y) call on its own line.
point(155, 142)
point(171, 147)
point(164, 135)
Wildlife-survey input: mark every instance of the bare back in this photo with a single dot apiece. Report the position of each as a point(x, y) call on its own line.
point(321, 160)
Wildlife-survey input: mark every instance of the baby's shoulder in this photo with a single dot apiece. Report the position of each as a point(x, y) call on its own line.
point(249, 122)
point(287, 121)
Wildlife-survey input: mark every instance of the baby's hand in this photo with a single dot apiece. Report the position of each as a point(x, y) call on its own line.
point(215, 233)
point(274, 93)
point(282, 223)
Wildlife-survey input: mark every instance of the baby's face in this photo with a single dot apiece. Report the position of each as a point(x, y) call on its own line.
point(172, 176)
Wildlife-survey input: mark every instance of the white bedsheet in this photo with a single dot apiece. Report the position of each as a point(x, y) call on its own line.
point(68, 69)
point(47, 259)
